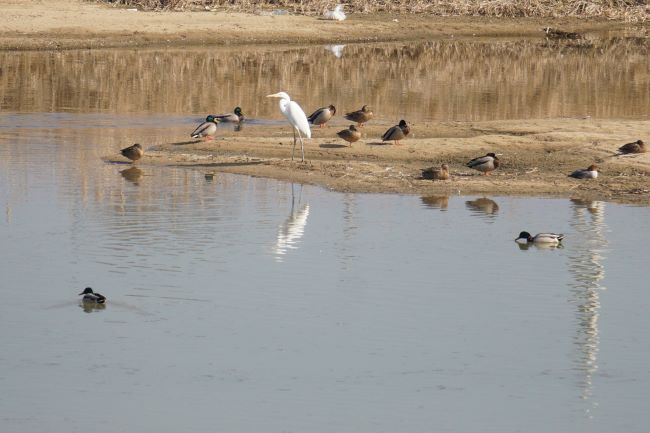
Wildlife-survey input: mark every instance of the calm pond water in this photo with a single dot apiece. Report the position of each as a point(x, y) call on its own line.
point(240, 304)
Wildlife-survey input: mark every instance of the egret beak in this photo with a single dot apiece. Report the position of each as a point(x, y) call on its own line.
point(275, 95)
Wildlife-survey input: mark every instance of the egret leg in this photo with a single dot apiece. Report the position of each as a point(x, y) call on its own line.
point(302, 147)
point(294, 143)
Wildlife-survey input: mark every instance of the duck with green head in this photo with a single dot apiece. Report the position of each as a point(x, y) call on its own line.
point(485, 164)
point(322, 115)
point(541, 238)
point(235, 117)
point(207, 129)
point(92, 297)
point(397, 132)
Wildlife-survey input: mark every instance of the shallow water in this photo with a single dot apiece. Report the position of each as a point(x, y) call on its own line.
point(446, 80)
point(244, 304)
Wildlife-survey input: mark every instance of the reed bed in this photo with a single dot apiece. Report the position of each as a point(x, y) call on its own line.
point(628, 10)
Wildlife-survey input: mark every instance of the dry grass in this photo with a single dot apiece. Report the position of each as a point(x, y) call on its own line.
point(628, 10)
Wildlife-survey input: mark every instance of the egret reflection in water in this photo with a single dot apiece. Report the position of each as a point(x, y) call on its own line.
point(293, 228)
point(587, 269)
point(337, 50)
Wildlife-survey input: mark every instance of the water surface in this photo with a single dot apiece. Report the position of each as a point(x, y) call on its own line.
point(448, 80)
point(242, 304)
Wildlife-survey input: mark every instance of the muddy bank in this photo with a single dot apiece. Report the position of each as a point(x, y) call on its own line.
point(536, 157)
point(69, 24)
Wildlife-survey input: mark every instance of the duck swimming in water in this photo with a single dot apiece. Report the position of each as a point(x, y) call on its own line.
point(235, 117)
point(90, 296)
point(541, 238)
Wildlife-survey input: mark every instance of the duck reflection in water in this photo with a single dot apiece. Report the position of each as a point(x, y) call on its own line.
point(293, 228)
point(90, 307)
point(483, 206)
point(524, 246)
point(436, 201)
point(132, 174)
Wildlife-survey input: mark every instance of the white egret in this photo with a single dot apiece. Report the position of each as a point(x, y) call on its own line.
point(296, 117)
point(337, 14)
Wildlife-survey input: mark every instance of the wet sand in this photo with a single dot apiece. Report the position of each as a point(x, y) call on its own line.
point(537, 154)
point(536, 157)
point(69, 24)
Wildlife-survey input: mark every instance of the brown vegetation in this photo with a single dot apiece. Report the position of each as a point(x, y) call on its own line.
point(432, 81)
point(628, 10)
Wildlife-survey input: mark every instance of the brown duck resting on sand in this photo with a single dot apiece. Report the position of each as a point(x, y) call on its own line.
point(351, 135)
point(635, 147)
point(134, 152)
point(360, 116)
point(321, 116)
point(397, 132)
point(485, 164)
point(436, 173)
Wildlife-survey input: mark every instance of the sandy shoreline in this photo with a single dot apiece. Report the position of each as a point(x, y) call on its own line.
point(70, 24)
point(537, 153)
point(536, 157)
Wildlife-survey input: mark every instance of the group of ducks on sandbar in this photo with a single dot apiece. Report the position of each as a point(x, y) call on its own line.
point(300, 122)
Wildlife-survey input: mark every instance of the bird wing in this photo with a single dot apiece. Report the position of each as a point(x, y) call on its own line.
point(314, 116)
point(297, 118)
point(479, 161)
point(199, 129)
point(390, 133)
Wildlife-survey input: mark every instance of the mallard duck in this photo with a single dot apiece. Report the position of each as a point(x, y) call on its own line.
point(436, 173)
point(560, 34)
point(541, 238)
point(134, 152)
point(90, 296)
point(235, 117)
point(485, 164)
point(350, 135)
point(590, 172)
point(322, 115)
point(397, 132)
point(206, 129)
point(360, 116)
point(635, 147)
